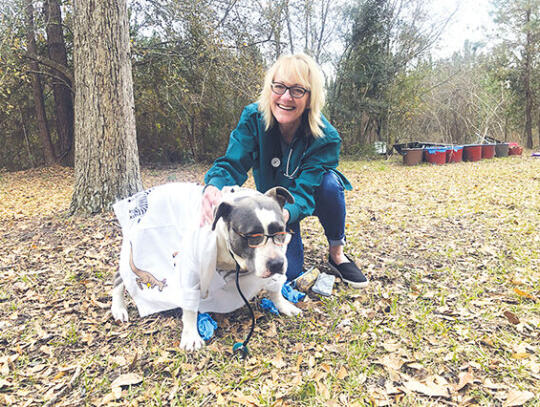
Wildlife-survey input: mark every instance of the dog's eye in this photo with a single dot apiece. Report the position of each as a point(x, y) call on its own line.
point(280, 238)
point(255, 240)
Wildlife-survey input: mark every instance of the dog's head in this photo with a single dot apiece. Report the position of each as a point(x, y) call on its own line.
point(253, 225)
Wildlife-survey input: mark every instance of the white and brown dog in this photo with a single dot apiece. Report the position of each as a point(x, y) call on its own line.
point(169, 261)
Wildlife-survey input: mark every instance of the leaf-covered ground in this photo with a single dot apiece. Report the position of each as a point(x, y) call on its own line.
point(451, 317)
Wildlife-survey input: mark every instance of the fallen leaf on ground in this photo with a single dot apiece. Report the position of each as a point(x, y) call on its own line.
point(5, 383)
point(524, 294)
point(430, 389)
point(342, 373)
point(128, 379)
point(271, 332)
point(415, 365)
point(392, 361)
point(390, 389)
point(532, 366)
point(326, 367)
point(114, 395)
point(465, 378)
point(511, 317)
point(392, 346)
point(322, 390)
point(494, 386)
point(246, 400)
point(517, 398)
point(278, 361)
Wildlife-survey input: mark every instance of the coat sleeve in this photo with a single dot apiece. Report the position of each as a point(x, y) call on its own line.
point(232, 168)
point(196, 267)
point(207, 253)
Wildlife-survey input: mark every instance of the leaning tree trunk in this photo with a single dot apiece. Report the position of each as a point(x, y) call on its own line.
point(39, 103)
point(106, 154)
point(63, 99)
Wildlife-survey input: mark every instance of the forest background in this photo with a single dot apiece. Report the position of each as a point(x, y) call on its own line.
point(196, 63)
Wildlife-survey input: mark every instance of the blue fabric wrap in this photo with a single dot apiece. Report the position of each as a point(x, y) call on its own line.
point(268, 305)
point(292, 294)
point(288, 292)
point(206, 326)
point(436, 150)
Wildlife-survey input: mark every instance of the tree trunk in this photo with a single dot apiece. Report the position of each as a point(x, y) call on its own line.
point(25, 140)
point(63, 99)
point(325, 7)
point(289, 29)
point(276, 27)
point(307, 13)
point(106, 154)
point(39, 103)
point(538, 123)
point(527, 82)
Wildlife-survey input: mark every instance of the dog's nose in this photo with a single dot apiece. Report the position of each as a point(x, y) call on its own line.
point(275, 265)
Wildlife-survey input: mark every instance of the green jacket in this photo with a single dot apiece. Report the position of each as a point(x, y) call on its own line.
point(308, 158)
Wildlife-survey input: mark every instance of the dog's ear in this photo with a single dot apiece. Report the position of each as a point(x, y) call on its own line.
point(281, 195)
point(223, 211)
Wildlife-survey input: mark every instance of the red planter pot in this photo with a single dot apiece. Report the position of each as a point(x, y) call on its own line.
point(472, 152)
point(515, 150)
point(412, 156)
point(454, 154)
point(435, 155)
point(488, 151)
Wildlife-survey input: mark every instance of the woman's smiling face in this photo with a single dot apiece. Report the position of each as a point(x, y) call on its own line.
point(288, 110)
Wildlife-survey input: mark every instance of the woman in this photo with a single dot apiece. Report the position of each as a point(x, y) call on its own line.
point(286, 141)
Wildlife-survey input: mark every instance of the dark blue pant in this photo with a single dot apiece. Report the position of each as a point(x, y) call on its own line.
point(330, 209)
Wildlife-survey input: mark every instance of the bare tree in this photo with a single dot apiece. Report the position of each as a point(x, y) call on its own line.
point(519, 28)
point(527, 68)
point(61, 84)
point(106, 154)
point(37, 89)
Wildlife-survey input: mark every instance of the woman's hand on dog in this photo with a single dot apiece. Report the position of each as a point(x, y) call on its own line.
point(211, 197)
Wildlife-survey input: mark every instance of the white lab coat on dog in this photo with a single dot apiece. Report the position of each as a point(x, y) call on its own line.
point(162, 221)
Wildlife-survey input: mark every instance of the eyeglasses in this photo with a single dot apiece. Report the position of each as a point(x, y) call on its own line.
point(259, 239)
point(296, 92)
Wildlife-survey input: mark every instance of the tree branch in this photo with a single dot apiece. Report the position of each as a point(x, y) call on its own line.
point(52, 64)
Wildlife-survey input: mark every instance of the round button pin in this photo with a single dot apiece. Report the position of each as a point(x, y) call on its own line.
point(276, 162)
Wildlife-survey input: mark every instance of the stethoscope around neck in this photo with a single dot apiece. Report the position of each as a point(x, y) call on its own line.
point(275, 162)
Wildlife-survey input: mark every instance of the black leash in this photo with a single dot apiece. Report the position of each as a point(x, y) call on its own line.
point(241, 347)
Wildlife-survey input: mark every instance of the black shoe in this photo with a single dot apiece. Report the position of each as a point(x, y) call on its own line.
point(349, 272)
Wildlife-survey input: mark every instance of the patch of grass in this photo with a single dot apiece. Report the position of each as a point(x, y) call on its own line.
point(306, 393)
point(100, 273)
point(71, 335)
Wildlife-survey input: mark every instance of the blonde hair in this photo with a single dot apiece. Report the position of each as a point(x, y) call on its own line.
point(300, 69)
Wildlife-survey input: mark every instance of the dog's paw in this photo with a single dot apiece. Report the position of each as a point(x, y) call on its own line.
point(288, 308)
point(119, 313)
point(191, 341)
